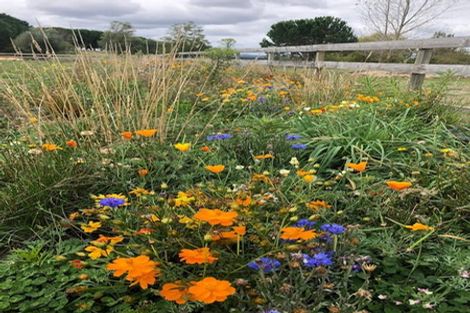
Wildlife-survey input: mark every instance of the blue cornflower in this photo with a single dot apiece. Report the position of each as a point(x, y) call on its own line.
point(219, 137)
point(112, 202)
point(334, 229)
point(265, 263)
point(292, 137)
point(299, 146)
point(271, 311)
point(319, 259)
point(305, 223)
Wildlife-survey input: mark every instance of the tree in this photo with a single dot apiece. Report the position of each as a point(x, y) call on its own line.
point(118, 37)
point(320, 30)
point(10, 27)
point(395, 18)
point(187, 37)
point(42, 40)
point(228, 43)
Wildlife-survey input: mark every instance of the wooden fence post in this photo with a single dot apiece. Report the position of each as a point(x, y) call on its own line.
point(417, 79)
point(319, 59)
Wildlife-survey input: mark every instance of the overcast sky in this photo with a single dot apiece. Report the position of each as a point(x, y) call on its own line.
point(245, 20)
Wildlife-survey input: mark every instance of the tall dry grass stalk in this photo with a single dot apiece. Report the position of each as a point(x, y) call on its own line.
point(102, 92)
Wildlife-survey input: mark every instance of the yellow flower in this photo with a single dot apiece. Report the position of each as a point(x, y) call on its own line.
point(183, 199)
point(419, 226)
point(91, 226)
point(264, 156)
point(183, 147)
point(309, 178)
point(96, 253)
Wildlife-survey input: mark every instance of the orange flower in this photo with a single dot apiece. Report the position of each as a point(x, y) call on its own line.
point(398, 185)
point(146, 132)
point(205, 149)
point(91, 226)
point(50, 147)
point(358, 167)
point(309, 178)
point(144, 231)
point(216, 217)
point(303, 173)
point(140, 270)
point(197, 256)
point(126, 135)
point(143, 172)
point(243, 202)
point(264, 156)
point(96, 252)
point(297, 233)
point(238, 231)
point(318, 204)
point(71, 144)
point(216, 169)
point(177, 292)
point(210, 290)
point(419, 226)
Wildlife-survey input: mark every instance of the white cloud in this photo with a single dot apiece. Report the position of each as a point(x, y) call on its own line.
point(245, 20)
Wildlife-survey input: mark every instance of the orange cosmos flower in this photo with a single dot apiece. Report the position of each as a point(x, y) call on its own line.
point(358, 167)
point(50, 147)
point(238, 231)
point(216, 217)
point(140, 270)
point(397, 185)
point(297, 233)
point(216, 169)
point(210, 290)
point(264, 156)
point(205, 149)
point(419, 226)
point(183, 147)
point(177, 292)
point(143, 172)
point(146, 132)
point(197, 256)
point(71, 144)
point(318, 204)
point(126, 135)
point(303, 173)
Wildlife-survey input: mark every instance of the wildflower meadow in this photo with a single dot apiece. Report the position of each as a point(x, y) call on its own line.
point(153, 184)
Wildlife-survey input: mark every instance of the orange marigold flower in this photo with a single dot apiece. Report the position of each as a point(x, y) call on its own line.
point(419, 226)
point(210, 290)
point(297, 233)
point(264, 156)
point(140, 270)
point(398, 185)
point(358, 167)
point(183, 147)
point(318, 204)
point(205, 149)
point(51, 147)
point(143, 172)
point(216, 217)
point(216, 169)
point(71, 144)
point(176, 291)
point(146, 132)
point(126, 135)
point(197, 256)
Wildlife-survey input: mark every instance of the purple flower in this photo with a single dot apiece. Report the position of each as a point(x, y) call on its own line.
point(356, 267)
point(319, 259)
point(299, 146)
point(262, 99)
point(305, 223)
point(265, 264)
point(292, 137)
point(112, 202)
point(271, 311)
point(219, 137)
point(334, 229)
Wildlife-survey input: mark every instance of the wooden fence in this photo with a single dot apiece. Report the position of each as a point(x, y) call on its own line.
point(417, 71)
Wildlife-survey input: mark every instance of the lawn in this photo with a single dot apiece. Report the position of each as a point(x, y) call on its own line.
point(134, 184)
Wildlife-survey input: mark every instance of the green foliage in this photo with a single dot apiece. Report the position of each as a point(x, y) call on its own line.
point(10, 27)
point(187, 37)
point(43, 40)
point(320, 30)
